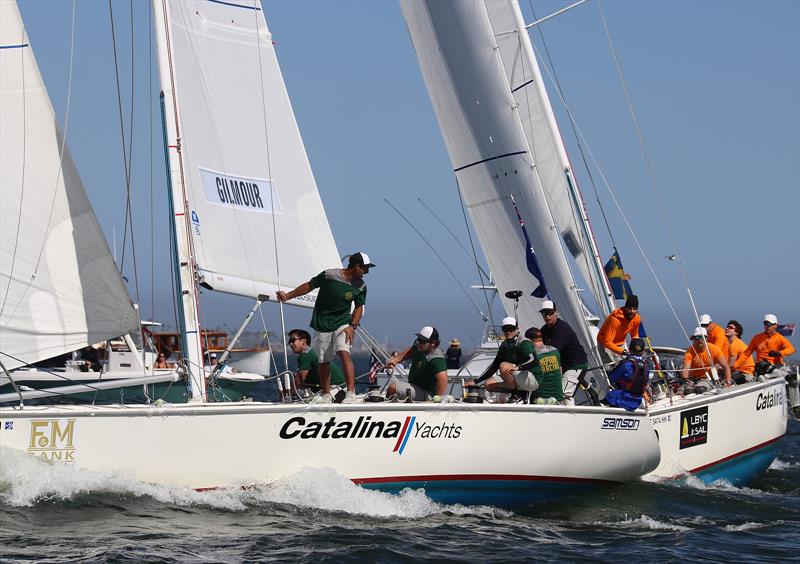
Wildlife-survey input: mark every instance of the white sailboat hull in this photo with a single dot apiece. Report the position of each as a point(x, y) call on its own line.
point(507, 455)
point(733, 435)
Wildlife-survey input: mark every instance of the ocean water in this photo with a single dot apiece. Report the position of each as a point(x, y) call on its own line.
point(60, 514)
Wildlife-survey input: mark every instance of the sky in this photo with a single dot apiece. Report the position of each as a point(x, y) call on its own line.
point(716, 91)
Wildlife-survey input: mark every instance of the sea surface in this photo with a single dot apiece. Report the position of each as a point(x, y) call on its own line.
point(61, 514)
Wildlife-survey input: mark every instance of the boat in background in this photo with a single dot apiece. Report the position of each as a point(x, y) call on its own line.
point(510, 163)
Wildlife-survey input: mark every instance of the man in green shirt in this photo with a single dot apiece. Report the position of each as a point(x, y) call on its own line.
point(307, 374)
point(547, 371)
point(340, 290)
point(514, 361)
point(428, 374)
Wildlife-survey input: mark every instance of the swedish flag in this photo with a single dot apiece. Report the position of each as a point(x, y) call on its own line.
point(617, 278)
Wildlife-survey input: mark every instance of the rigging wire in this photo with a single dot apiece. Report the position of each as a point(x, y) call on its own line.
point(150, 140)
point(650, 171)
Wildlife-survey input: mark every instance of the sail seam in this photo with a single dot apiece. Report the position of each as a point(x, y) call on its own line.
point(490, 159)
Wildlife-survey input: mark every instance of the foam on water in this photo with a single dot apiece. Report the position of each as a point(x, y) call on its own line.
point(749, 526)
point(778, 464)
point(26, 480)
point(646, 522)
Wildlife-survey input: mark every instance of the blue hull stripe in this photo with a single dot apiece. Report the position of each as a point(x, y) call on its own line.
point(742, 468)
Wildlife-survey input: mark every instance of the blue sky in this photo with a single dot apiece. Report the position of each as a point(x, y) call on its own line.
point(716, 87)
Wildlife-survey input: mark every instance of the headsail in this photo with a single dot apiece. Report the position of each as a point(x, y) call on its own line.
point(59, 286)
point(250, 189)
point(479, 119)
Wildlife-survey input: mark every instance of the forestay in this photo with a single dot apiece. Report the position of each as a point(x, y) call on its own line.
point(59, 285)
point(247, 178)
point(480, 122)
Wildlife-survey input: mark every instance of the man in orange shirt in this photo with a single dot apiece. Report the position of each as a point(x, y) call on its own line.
point(716, 334)
point(701, 356)
point(770, 345)
point(622, 321)
point(741, 364)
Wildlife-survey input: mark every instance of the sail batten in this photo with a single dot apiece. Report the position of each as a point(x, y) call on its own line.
point(59, 285)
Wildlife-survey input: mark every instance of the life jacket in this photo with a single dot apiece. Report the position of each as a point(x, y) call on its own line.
point(634, 383)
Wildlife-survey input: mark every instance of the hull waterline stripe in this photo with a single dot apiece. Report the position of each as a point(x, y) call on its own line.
point(489, 159)
point(18, 46)
point(751, 449)
point(257, 9)
point(408, 434)
point(464, 477)
point(402, 434)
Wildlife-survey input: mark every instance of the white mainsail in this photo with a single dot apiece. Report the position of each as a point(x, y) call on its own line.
point(59, 286)
point(480, 122)
point(254, 212)
point(546, 144)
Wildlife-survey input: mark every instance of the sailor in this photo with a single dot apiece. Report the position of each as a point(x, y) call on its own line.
point(514, 360)
point(701, 356)
point(742, 365)
point(557, 333)
point(91, 359)
point(716, 334)
point(623, 321)
point(770, 345)
point(453, 354)
point(335, 325)
point(629, 378)
point(428, 375)
point(307, 375)
point(547, 371)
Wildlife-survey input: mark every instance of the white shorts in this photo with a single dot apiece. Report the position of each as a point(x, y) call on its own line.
point(522, 378)
point(328, 344)
point(405, 389)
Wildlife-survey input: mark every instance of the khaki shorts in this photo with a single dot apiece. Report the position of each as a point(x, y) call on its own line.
point(524, 380)
point(328, 344)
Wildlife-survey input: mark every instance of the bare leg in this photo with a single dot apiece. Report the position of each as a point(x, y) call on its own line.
point(347, 367)
point(325, 377)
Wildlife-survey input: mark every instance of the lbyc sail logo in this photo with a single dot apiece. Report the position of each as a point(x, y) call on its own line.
point(403, 431)
point(53, 439)
point(694, 427)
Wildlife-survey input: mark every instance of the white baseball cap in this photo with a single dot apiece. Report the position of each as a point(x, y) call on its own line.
point(546, 306)
point(699, 332)
point(771, 318)
point(508, 321)
point(212, 355)
point(360, 258)
point(428, 333)
point(705, 319)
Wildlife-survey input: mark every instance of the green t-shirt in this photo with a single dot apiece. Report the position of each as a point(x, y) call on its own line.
point(425, 367)
point(516, 350)
point(548, 373)
point(332, 308)
point(309, 360)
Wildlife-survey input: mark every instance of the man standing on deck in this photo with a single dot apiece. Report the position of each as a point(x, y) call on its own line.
point(716, 334)
point(623, 321)
point(770, 345)
point(335, 325)
point(557, 333)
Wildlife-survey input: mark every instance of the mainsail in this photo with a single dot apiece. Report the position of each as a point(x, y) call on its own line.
point(479, 117)
point(252, 204)
point(59, 286)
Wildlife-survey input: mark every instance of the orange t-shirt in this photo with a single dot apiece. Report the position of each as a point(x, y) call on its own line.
point(744, 362)
point(716, 336)
point(615, 327)
point(762, 343)
point(699, 363)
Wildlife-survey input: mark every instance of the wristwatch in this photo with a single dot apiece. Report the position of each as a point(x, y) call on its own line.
point(354, 325)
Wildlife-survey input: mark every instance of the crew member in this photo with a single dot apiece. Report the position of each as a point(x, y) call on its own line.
point(557, 333)
point(547, 370)
point(716, 334)
point(623, 321)
point(742, 365)
point(335, 325)
point(770, 345)
point(629, 379)
point(701, 356)
point(307, 374)
point(428, 374)
point(513, 362)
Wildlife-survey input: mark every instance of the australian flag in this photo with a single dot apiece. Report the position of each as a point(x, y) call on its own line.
point(530, 258)
point(617, 278)
point(786, 330)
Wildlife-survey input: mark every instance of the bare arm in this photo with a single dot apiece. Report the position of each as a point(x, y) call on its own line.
point(301, 290)
point(441, 383)
point(398, 358)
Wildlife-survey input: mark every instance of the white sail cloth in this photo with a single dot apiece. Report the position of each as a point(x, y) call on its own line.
point(256, 217)
point(59, 285)
point(479, 119)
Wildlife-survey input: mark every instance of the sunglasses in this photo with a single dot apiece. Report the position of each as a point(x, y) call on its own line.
point(509, 328)
point(293, 339)
point(423, 341)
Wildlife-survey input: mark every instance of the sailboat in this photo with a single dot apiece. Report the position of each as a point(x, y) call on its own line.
point(241, 184)
point(504, 144)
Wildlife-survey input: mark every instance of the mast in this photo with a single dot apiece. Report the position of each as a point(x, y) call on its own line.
point(188, 317)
